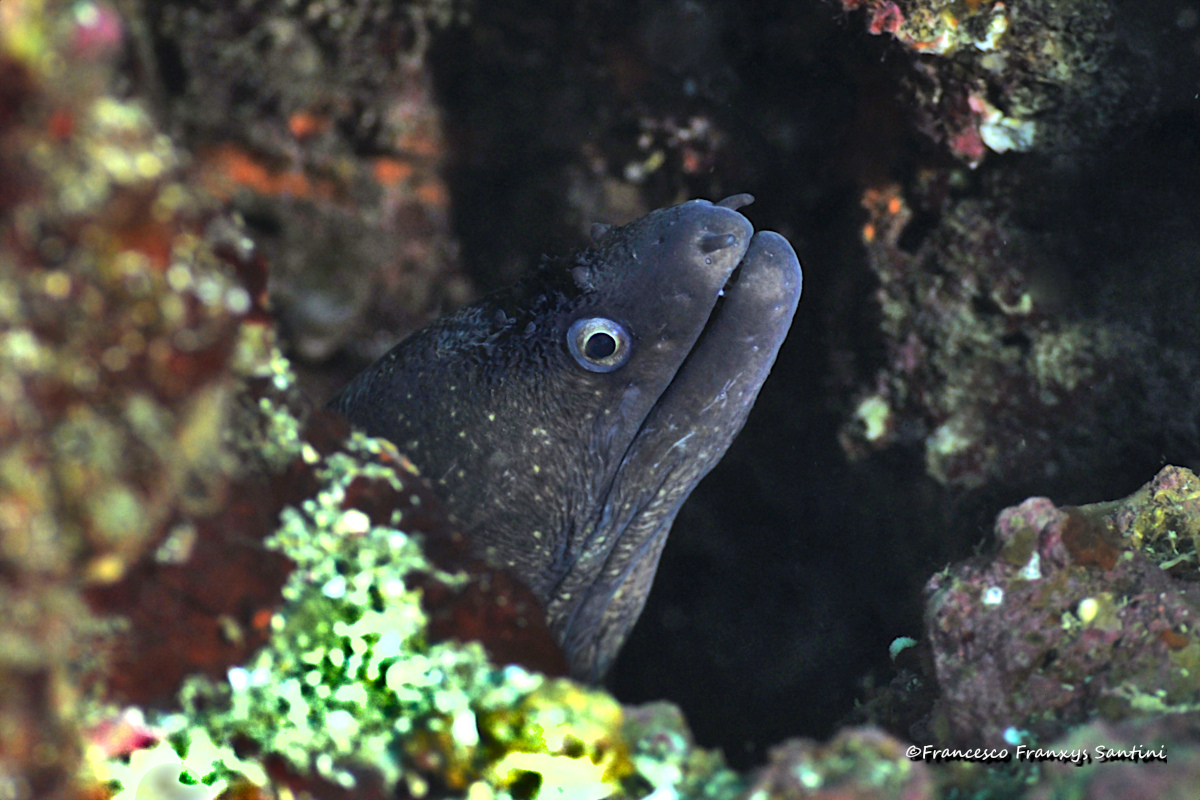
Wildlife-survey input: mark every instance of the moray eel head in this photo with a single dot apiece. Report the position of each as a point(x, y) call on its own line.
point(565, 420)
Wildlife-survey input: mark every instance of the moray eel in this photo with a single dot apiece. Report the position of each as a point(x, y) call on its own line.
point(565, 420)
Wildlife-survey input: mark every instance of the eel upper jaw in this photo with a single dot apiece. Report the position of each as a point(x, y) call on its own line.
point(707, 402)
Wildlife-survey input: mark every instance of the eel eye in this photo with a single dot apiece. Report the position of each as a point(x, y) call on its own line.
point(598, 344)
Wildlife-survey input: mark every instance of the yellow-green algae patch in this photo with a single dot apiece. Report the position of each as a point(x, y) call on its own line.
point(1162, 519)
point(348, 680)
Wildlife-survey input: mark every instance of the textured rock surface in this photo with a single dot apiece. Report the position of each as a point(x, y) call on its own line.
point(1080, 614)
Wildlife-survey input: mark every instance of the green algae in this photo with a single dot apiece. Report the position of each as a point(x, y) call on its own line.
point(347, 672)
point(349, 685)
point(348, 682)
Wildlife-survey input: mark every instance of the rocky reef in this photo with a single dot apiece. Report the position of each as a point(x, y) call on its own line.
point(1021, 76)
point(124, 297)
point(1081, 612)
point(1072, 642)
point(985, 366)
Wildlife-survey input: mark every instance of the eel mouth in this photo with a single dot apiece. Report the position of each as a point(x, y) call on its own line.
point(722, 296)
point(733, 203)
point(730, 282)
point(685, 430)
point(685, 434)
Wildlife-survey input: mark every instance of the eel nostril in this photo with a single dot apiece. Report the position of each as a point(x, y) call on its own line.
point(734, 202)
point(716, 241)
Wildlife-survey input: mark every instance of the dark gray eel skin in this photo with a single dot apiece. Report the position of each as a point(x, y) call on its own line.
point(564, 420)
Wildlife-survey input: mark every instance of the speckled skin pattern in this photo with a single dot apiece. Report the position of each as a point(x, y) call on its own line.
point(571, 477)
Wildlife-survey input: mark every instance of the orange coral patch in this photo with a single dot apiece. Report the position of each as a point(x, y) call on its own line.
point(1173, 640)
point(235, 166)
point(1084, 542)
point(61, 124)
point(152, 239)
point(391, 171)
point(433, 194)
point(418, 143)
point(303, 124)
